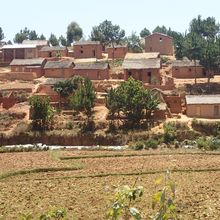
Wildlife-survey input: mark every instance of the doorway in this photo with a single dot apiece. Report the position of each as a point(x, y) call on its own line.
point(216, 111)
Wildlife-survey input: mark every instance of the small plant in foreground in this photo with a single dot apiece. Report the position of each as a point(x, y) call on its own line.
point(123, 202)
point(164, 200)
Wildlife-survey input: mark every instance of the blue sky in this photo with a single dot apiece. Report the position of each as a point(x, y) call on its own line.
point(46, 16)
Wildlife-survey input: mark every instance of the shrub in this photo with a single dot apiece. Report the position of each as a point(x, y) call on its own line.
point(139, 145)
point(214, 144)
point(201, 142)
point(151, 143)
point(69, 125)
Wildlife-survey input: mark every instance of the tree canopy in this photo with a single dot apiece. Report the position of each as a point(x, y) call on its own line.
point(27, 34)
point(2, 36)
point(74, 32)
point(144, 33)
point(134, 43)
point(132, 100)
point(107, 33)
point(41, 112)
point(53, 40)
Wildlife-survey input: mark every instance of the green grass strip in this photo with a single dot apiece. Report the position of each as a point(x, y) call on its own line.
point(134, 174)
point(134, 155)
point(37, 170)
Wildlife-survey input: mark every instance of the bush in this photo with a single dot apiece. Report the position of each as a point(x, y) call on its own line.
point(139, 145)
point(69, 125)
point(214, 144)
point(210, 143)
point(151, 143)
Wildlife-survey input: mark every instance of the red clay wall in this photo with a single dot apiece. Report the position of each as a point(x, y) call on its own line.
point(93, 74)
point(119, 53)
point(8, 101)
point(58, 73)
point(144, 75)
point(45, 54)
point(188, 72)
point(159, 43)
point(88, 51)
point(174, 103)
point(46, 90)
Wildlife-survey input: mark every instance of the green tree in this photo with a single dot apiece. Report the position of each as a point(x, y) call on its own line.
point(42, 37)
point(160, 29)
point(65, 88)
point(41, 112)
point(9, 42)
point(194, 45)
point(108, 34)
point(74, 32)
point(63, 40)
point(53, 40)
point(132, 100)
point(144, 33)
point(83, 99)
point(2, 36)
point(134, 43)
point(22, 35)
point(33, 35)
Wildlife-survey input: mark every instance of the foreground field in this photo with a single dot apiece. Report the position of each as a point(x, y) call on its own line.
point(84, 181)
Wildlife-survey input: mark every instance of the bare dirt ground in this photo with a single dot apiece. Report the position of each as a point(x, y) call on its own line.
point(197, 196)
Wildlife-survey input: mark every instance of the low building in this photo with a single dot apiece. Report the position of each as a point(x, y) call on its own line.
point(87, 49)
point(143, 66)
point(118, 52)
point(174, 103)
point(158, 42)
point(92, 70)
point(59, 69)
point(27, 69)
point(185, 68)
point(19, 51)
point(46, 89)
point(203, 106)
point(56, 51)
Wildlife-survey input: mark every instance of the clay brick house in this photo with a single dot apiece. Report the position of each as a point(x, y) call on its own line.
point(87, 49)
point(92, 70)
point(55, 51)
point(203, 106)
point(187, 69)
point(27, 69)
point(19, 51)
point(161, 43)
point(7, 101)
point(59, 69)
point(46, 89)
point(143, 66)
point(174, 103)
point(118, 50)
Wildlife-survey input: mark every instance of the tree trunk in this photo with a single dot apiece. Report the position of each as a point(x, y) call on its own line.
point(195, 72)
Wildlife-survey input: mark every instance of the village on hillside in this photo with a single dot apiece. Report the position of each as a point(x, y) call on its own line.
point(110, 126)
point(185, 87)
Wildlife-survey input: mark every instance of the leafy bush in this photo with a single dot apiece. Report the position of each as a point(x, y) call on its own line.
point(208, 143)
point(151, 143)
point(139, 145)
point(205, 127)
point(69, 125)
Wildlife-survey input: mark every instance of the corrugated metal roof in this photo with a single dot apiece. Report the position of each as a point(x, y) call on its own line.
point(185, 63)
point(19, 46)
point(91, 65)
point(141, 64)
point(61, 64)
point(37, 42)
point(27, 62)
point(142, 55)
point(55, 48)
point(202, 99)
point(87, 43)
point(52, 81)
